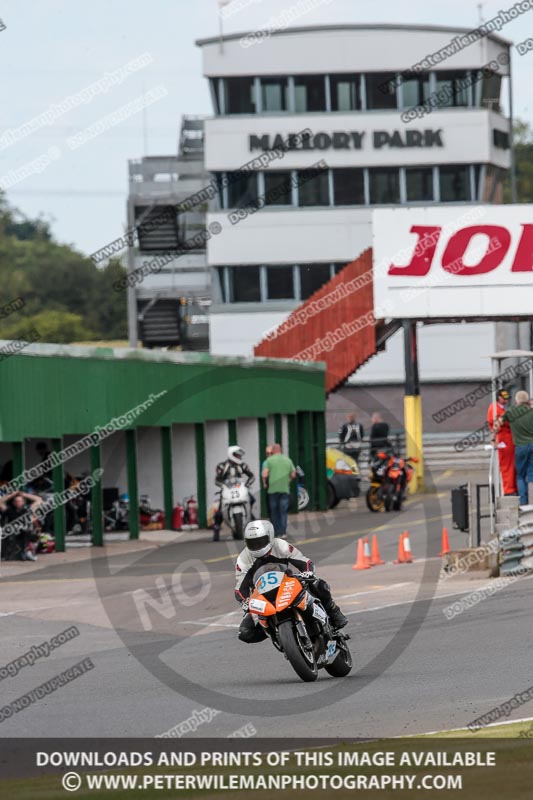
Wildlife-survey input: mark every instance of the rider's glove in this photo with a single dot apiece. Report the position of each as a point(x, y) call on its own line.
point(307, 575)
point(244, 606)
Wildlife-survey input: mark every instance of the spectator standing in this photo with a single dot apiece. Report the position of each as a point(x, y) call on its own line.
point(13, 507)
point(379, 434)
point(351, 437)
point(277, 474)
point(506, 455)
point(520, 417)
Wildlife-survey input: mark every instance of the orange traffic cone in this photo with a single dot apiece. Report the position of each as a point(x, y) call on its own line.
point(401, 551)
point(376, 558)
point(445, 543)
point(407, 548)
point(366, 551)
point(360, 562)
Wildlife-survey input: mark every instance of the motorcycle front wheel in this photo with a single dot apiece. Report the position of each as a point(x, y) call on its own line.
point(342, 664)
point(302, 661)
point(374, 499)
point(238, 526)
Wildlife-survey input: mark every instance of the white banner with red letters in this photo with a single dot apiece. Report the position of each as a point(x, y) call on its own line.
point(453, 261)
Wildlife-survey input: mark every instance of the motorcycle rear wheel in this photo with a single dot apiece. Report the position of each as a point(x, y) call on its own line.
point(302, 662)
point(238, 522)
point(342, 664)
point(374, 500)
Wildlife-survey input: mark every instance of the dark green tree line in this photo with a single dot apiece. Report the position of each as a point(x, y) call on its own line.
point(67, 298)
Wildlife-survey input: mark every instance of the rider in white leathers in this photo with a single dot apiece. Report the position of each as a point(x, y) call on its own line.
point(263, 548)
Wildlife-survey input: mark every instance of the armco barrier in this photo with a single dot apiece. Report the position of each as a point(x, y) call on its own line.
point(512, 551)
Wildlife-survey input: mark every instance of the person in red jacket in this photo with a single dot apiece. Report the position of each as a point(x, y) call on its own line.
point(504, 435)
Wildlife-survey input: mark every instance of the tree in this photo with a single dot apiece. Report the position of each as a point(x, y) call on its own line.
point(523, 143)
point(50, 326)
point(64, 292)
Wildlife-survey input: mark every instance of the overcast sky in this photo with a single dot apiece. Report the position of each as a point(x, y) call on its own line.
point(51, 49)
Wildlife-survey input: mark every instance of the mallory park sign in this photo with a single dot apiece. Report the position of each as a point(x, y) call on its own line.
point(347, 140)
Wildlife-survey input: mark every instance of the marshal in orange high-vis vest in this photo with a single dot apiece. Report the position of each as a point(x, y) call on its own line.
point(505, 454)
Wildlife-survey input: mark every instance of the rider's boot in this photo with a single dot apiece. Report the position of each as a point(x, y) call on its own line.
point(216, 534)
point(337, 618)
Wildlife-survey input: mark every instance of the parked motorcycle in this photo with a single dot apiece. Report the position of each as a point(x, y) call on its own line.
point(150, 518)
point(117, 517)
point(235, 506)
point(389, 479)
point(298, 624)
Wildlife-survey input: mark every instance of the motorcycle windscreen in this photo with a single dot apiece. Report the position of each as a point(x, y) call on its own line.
point(268, 578)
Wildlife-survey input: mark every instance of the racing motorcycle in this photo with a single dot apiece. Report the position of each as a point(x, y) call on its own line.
point(235, 506)
point(389, 478)
point(298, 624)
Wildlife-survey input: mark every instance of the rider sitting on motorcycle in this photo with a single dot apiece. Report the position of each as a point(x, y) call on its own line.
point(233, 467)
point(263, 548)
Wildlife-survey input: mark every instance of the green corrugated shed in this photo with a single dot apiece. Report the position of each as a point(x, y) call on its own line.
point(52, 390)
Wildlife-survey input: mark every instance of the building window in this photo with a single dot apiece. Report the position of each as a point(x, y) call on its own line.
point(419, 184)
point(240, 96)
point(380, 90)
point(384, 186)
point(345, 92)
point(278, 188)
point(339, 267)
point(274, 94)
point(220, 189)
point(451, 86)
point(242, 189)
point(455, 184)
point(213, 87)
point(191, 226)
point(490, 91)
point(478, 189)
point(415, 90)
point(313, 188)
point(349, 187)
point(280, 283)
point(221, 272)
point(312, 277)
point(245, 284)
point(310, 93)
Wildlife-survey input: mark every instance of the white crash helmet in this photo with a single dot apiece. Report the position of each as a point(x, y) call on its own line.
point(258, 537)
point(236, 454)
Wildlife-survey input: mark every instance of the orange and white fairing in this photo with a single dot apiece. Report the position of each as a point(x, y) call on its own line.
point(288, 589)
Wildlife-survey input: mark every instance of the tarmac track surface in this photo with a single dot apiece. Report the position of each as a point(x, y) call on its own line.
point(414, 670)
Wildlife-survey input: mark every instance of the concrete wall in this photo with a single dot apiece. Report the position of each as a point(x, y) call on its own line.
point(450, 352)
point(114, 462)
point(183, 462)
point(149, 466)
point(248, 437)
point(388, 400)
point(271, 434)
point(343, 48)
point(285, 433)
